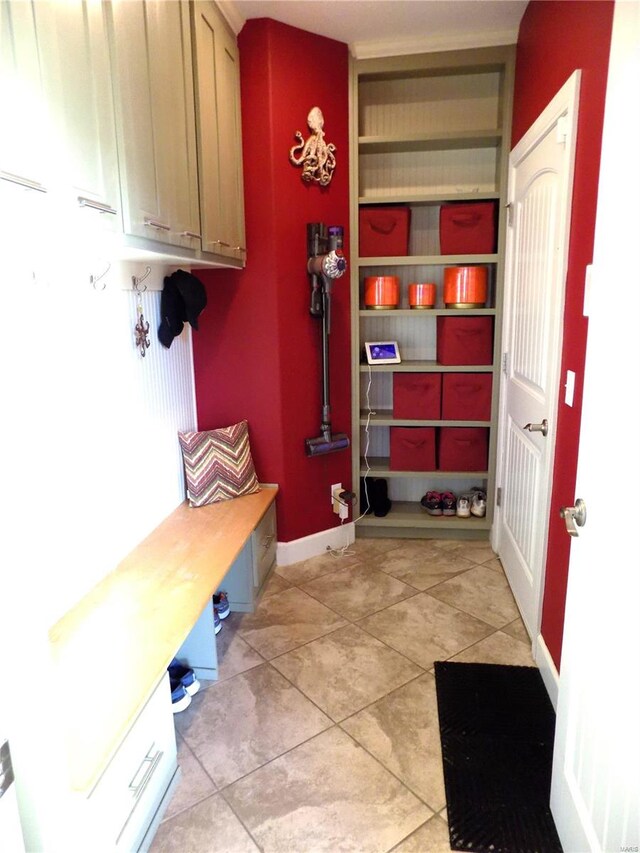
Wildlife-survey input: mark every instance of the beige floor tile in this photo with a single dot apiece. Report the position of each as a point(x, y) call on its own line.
point(496, 565)
point(283, 622)
point(367, 549)
point(314, 567)
point(209, 827)
point(498, 648)
point(240, 724)
point(357, 591)
point(326, 795)
point(234, 654)
point(422, 566)
point(482, 592)
point(432, 837)
point(402, 732)
point(345, 671)
point(425, 629)
point(516, 629)
point(477, 551)
point(274, 585)
point(194, 784)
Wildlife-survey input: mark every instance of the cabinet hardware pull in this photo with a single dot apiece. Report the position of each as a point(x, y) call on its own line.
point(239, 249)
point(152, 761)
point(222, 243)
point(23, 182)
point(191, 234)
point(96, 205)
point(153, 223)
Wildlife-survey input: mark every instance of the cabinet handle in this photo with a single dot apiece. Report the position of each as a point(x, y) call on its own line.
point(266, 542)
point(222, 243)
point(239, 249)
point(137, 787)
point(153, 223)
point(191, 234)
point(96, 205)
point(23, 182)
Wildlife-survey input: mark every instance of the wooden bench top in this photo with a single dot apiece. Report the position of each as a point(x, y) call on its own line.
point(116, 643)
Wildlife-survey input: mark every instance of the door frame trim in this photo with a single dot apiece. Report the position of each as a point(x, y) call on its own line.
point(565, 101)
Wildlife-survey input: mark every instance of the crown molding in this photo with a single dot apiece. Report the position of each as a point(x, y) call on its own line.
point(431, 44)
point(231, 15)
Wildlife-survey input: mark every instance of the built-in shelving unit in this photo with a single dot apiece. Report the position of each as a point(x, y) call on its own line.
point(426, 130)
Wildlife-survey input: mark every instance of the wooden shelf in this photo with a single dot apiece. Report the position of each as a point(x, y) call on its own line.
point(429, 198)
point(379, 467)
point(411, 514)
point(426, 367)
point(431, 312)
point(448, 141)
point(385, 418)
point(426, 260)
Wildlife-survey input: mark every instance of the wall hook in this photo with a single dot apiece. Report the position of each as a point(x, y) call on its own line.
point(94, 279)
point(138, 281)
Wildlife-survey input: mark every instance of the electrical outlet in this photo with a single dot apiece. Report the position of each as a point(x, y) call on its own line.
point(336, 488)
point(343, 511)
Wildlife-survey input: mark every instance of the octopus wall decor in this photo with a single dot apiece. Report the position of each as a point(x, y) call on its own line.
point(315, 155)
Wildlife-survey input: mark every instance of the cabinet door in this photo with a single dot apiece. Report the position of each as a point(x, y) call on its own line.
point(27, 140)
point(219, 134)
point(75, 57)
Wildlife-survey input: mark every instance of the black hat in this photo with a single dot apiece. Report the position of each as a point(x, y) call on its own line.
point(183, 298)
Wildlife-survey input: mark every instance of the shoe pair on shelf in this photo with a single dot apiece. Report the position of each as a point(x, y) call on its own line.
point(464, 505)
point(221, 610)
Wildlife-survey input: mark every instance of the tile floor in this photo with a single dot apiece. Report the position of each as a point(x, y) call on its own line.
point(322, 732)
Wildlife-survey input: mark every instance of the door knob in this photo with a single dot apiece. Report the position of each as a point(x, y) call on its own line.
point(543, 427)
point(574, 516)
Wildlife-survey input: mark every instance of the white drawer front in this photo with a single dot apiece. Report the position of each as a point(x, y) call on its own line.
point(129, 792)
point(265, 542)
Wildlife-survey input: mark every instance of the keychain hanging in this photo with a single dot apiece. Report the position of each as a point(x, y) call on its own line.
point(142, 327)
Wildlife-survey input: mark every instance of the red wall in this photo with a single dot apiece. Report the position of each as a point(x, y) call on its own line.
point(257, 353)
point(557, 37)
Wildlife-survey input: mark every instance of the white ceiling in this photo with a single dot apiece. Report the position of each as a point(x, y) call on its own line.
point(385, 27)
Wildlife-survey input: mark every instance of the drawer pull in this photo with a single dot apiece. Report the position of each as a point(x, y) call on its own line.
point(222, 243)
point(153, 223)
point(191, 234)
point(266, 542)
point(137, 785)
point(239, 249)
point(96, 205)
point(23, 182)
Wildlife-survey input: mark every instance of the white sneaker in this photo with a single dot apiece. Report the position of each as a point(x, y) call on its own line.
point(479, 504)
point(463, 506)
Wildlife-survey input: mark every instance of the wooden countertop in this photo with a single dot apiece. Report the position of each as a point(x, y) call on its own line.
point(116, 643)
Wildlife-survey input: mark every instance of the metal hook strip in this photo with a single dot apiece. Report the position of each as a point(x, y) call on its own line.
point(138, 281)
point(94, 279)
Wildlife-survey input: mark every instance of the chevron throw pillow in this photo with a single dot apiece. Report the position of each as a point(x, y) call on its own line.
point(218, 464)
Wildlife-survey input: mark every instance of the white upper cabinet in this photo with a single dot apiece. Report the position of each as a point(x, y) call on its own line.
point(156, 122)
point(219, 134)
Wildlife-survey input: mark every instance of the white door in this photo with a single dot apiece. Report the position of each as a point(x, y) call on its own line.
point(540, 184)
point(595, 795)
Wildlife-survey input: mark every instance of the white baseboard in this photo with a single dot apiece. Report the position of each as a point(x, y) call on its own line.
point(315, 544)
point(547, 669)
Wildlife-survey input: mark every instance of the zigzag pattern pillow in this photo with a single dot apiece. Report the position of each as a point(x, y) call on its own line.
point(218, 464)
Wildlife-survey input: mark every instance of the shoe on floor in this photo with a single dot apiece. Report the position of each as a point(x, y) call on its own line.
point(185, 675)
point(448, 503)
point(180, 699)
point(217, 624)
point(463, 506)
point(432, 502)
point(479, 503)
point(221, 604)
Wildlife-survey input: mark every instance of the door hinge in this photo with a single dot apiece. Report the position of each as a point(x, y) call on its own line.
point(509, 208)
point(562, 130)
point(499, 496)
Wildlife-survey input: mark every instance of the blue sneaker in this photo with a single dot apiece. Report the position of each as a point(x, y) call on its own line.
point(180, 699)
point(217, 624)
point(221, 604)
point(184, 675)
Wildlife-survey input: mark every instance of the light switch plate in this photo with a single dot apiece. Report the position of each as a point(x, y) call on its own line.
point(569, 387)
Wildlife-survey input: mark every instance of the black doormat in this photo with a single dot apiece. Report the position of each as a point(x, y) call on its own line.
point(496, 727)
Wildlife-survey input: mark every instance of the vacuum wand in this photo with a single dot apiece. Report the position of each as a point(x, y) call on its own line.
point(326, 263)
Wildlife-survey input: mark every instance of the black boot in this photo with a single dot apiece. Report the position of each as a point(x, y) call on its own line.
point(379, 498)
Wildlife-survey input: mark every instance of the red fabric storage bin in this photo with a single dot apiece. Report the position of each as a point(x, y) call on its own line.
point(417, 395)
point(464, 340)
point(384, 231)
point(463, 449)
point(468, 229)
point(413, 449)
point(466, 396)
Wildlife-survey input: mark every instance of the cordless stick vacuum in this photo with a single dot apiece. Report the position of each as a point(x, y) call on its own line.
point(326, 263)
